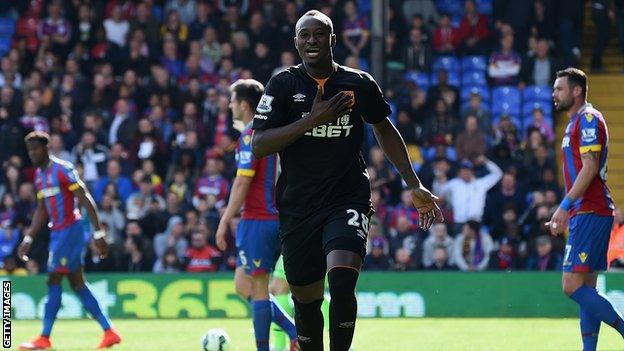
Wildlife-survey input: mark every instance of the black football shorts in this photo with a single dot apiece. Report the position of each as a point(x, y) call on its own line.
point(307, 241)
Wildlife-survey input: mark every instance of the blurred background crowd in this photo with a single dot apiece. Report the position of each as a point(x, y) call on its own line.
point(135, 94)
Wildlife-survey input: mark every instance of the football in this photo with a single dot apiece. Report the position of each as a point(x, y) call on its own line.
point(215, 340)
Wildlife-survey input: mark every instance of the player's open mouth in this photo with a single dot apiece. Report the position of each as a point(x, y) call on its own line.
point(313, 53)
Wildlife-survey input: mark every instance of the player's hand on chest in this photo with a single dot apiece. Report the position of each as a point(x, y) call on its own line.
point(333, 111)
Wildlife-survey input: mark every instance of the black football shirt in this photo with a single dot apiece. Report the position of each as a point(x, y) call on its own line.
point(324, 168)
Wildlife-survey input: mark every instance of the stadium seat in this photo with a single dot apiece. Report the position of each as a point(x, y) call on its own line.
point(484, 6)
point(474, 63)
point(514, 119)
point(474, 78)
point(453, 78)
point(509, 94)
point(483, 90)
point(5, 46)
point(420, 78)
point(527, 108)
point(500, 107)
point(451, 7)
point(537, 93)
point(448, 63)
point(7, 26)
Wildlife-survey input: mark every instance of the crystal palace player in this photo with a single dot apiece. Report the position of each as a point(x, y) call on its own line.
point(57, 185)
point(313, 114)
point(587, 204)
point(257, 233)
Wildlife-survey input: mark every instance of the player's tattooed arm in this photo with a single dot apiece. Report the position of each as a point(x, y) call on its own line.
point(591, 164)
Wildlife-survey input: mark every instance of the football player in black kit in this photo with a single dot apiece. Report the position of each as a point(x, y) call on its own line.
point(313, 114)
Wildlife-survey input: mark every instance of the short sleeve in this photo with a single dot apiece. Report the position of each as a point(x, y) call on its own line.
point(69, 176)
point(245, 161)
point(589, 134)
point(376, 108)
point(272, 109)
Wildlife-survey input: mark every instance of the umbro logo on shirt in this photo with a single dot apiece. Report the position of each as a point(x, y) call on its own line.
point(299, 97)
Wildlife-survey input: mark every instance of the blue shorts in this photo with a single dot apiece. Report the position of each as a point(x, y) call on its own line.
point(257, 242)
point(586, 249)
point(67, 248)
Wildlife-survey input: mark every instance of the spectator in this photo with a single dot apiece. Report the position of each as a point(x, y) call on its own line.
point(446, 39)
point(169, 263)
point(539, 69)
point(140, 202)
point(473, 30)
point(31, 121)
point(111, 215)
point(541, 124)
point(418, 53)
point(403, 261)
point(544, 258)
point(10, 135)
point(505, 258)
point(448, 93)
point(405, 210)
point(287, 59)
point(55, 31)
point(438, 238)
point(94, 263)
point(92, 156)
point(170, 60)
point(113, 176)
point(174, 27)
point(403, 237)
point(478, 109)
point(211, 182)
point(187, 9)
point(425, 9)
point(202, 257)
point(615, 255)
point(470, 143)
point(441, 124)
point(123, 125)
point(172, 237)
point(504, 67)
point(466, 193)
point(9, 238)
point(355, 31)
point(506, 195)
point(263, 64)
point(135, 258)
point(117, 28)
point(377, 259)
point(471, 251)
point(57, 148)
point(441, 261)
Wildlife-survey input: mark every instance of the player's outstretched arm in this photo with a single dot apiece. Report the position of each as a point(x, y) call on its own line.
point(86, 201)
point(270, 141)
point(393, 146)
point(240, 188)
point(40, 218)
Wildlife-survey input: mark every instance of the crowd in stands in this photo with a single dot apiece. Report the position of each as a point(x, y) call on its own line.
point(135, 93)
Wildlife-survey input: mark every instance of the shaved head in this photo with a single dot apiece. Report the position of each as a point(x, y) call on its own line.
point(318, 15)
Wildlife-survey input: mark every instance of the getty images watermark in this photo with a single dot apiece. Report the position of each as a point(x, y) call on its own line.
point(6, 314)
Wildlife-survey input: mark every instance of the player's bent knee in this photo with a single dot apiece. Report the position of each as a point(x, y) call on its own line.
point(570, 284)
point(308, 293)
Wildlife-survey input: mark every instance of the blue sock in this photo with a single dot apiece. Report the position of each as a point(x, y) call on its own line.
point(597, 305)
point(91, 305)
point(52, 306)
point(262, 323)
point(590, 327)
point(282, 319)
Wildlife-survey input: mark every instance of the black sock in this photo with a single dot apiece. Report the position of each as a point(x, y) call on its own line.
point(342, 307)
point(309, 323)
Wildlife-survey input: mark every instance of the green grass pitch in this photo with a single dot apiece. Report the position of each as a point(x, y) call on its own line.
point(428, 334)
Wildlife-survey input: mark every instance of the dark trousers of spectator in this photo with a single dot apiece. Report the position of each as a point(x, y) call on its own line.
point(619, 24)
point(603, 27)
point(570, 31)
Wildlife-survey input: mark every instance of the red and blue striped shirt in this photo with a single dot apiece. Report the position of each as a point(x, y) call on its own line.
point(587, 131)
point(260, 200)
point(55, 185)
